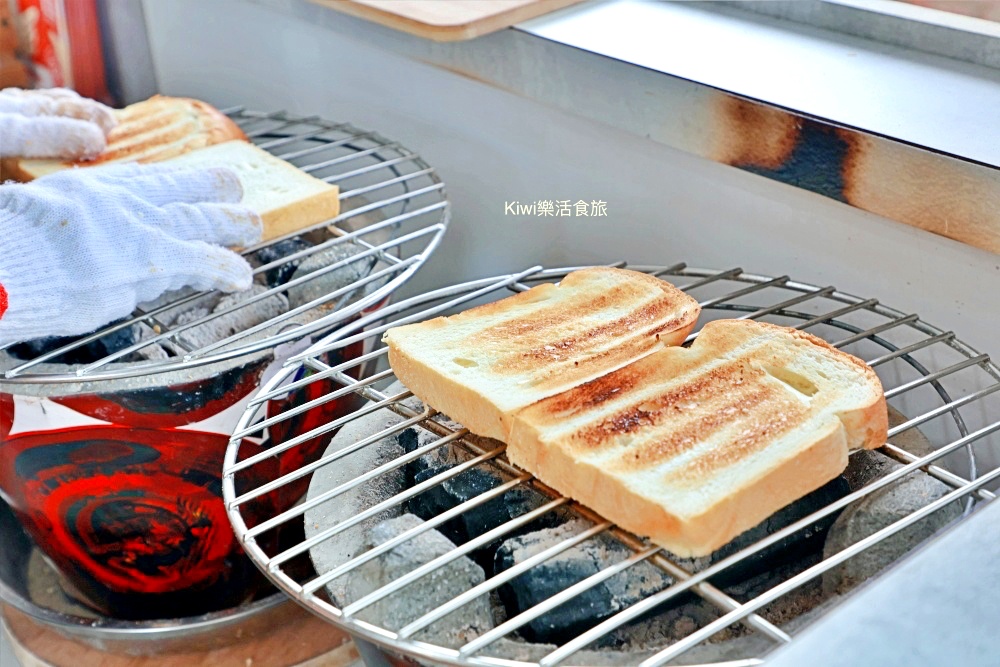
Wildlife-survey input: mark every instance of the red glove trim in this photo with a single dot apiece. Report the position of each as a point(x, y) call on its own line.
point(3, 300)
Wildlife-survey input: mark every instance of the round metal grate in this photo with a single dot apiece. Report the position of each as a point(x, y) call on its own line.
point(942, 394)
point(394, 213)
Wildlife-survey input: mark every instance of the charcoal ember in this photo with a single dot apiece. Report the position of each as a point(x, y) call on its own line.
point(331, 281)
point(85, 354)
point(454, 491)
point(794, 547)
point(191, 315)
point(482, 518)
point(867, 465)
point(282, 273)
point(426, 593)
point(875, 511)
point(233, 322)
point(414, 438)
point(521, 500)
point(562, 571)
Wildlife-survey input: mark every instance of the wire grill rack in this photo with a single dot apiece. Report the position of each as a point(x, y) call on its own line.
point(394, 212)
point(946, 390)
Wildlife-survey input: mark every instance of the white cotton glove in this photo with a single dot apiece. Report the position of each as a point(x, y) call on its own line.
point(52, 123)
point(82, 247)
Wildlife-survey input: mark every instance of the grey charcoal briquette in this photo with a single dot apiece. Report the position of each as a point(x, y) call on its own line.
point(330, 281)
point(876, 511)
point(799, 545)
point(337, 550)
point(565, 569)
point(238, 320)
point(426, 593)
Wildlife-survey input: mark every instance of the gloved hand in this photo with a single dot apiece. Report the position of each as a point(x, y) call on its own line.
point(82, 247)
point(52, 123)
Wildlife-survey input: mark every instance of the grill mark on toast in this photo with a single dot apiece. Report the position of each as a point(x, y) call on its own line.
point(546, 318)
point(581, 345)
point(692, 432)
point(719, 381)
point(591, 394)
point(768, 422)
point(570, 371)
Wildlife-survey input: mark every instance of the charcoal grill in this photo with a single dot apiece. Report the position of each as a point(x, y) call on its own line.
point(175, 377)
point(393, 208)
point(944, 389)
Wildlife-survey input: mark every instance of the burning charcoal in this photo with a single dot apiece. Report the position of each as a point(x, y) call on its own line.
point(866, 466)
point(876, 511)
point(332, 280)
point(800, 544)
point(562, 571)
point(870, 464)
point(426, 593)
point(482, 518)
point(85, 354)
point(238, 320)
point(521, 500)
point(465, 486)
point(282, 273)
point(413, 438)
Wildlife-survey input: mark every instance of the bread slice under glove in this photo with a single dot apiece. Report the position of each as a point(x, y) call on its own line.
point(692, 446)
point(483, 365)
point(287, 198)
point(149, 131)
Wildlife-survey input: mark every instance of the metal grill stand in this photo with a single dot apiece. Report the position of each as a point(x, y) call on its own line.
point(942, 386)
point(394, 214)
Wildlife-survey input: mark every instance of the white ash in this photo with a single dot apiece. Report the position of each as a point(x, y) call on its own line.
point(447, 454)
point(639, 581)
point(189, 316)
point(150, 352)
point(331, 281)
point(228, 324)
point(339, 549)
point(426, 593)
point(214, 330)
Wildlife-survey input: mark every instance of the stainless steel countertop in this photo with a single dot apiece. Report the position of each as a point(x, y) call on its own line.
point(946, 620)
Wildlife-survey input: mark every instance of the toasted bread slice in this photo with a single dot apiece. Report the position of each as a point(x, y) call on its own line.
point(287, 198)
point(150, 131)
point(484, 364)
point(691, 447)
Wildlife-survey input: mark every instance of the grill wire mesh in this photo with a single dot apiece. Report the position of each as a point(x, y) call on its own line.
point(944, 390)
point(393, 213)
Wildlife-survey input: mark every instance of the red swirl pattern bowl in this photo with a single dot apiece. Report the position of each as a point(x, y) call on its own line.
point(121, 488)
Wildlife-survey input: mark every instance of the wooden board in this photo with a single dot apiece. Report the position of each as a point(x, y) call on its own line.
point(447, 20)
point(305, 642)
